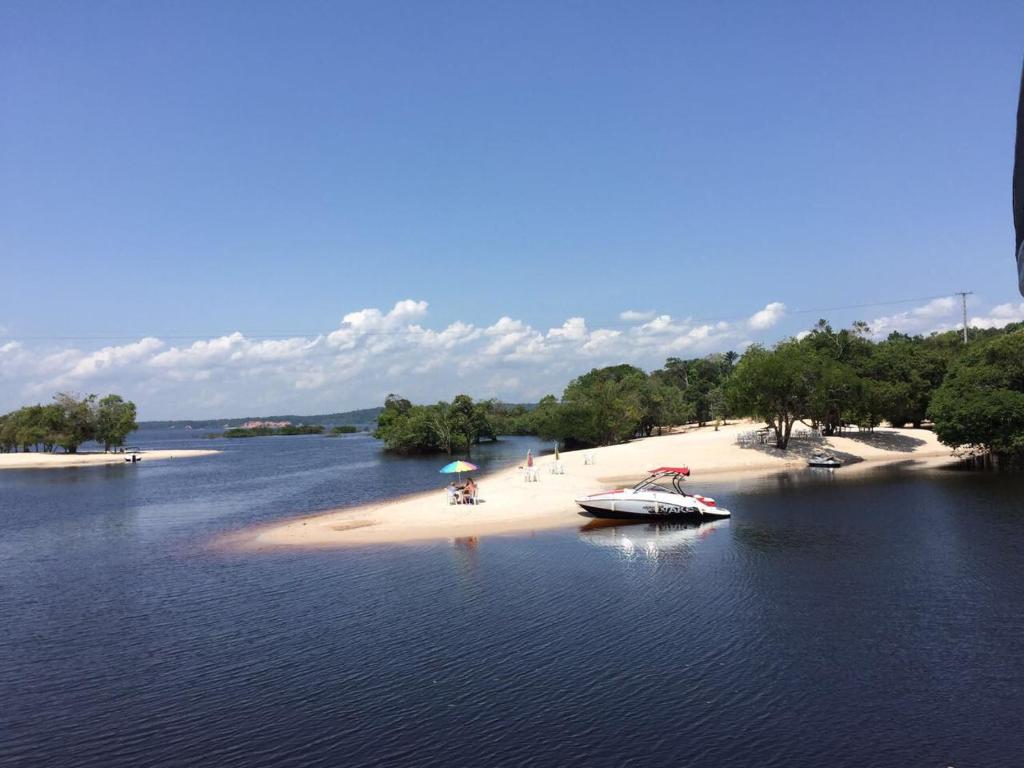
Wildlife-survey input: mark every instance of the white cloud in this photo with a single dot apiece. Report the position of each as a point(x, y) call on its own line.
point(767, 317)
point(999, 316)
point(635, 316)
point(372, 352)
point(573, 329)
point(113, 357)
point(369, 322)
point(923, 319)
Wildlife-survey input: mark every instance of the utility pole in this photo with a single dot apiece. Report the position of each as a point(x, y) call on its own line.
point(963, 298)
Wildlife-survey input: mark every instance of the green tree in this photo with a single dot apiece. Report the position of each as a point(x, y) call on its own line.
point(698, 379)
point(774, 385)
point(115, 420)
point(910, 368)
point(604, 406)
point(833, 364)
point(981, 400)
point(78, 420)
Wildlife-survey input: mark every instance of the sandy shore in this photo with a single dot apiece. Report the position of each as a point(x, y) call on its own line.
point(64, 460)
point(511, 505)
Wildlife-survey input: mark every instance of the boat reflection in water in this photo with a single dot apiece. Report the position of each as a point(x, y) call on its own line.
point(647, 539)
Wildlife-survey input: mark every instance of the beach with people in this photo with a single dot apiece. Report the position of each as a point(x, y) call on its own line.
point(521, 499)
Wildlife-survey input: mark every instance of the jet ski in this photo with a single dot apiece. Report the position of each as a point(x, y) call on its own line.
point(824, 461)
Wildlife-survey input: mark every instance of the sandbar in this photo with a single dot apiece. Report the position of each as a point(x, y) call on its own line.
point(35, 460)
point(510, 505)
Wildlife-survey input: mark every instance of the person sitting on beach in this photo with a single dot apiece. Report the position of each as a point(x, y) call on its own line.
point(454, 492)
point(469, 492)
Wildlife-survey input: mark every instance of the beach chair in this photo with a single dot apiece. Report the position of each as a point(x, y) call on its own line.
point(452, 495)
point(588, 458)
point(471, 498)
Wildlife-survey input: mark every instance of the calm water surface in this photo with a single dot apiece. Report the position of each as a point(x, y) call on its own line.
point(875, 621)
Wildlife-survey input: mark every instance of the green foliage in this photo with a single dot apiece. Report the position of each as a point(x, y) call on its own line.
point(115, 420)
point(511, 419)
point(981, 401)
point(67, 422)
point(610, 405)
point(444, 427)
point(909, 369)
point(344, 429)
point(77, 420)
point(291, 429)
point(775, 385)
point(700, 382)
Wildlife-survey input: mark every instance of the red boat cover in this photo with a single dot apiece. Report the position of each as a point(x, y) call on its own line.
point(678, 470)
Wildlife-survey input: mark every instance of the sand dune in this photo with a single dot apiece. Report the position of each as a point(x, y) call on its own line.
point(64, 460)
point(511, 505)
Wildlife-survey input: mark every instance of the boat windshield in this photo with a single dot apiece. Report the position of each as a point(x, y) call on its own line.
point(668, 482)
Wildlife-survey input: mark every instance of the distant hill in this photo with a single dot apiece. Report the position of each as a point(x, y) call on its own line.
point(365, 417)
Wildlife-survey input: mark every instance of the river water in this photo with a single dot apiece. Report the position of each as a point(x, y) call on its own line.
point(872, 620)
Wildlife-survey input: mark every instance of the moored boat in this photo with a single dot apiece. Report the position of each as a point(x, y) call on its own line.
point(658, 496)
point(824, 461)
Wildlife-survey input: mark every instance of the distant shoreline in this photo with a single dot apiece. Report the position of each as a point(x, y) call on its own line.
point(512, 506)
point(42, 460)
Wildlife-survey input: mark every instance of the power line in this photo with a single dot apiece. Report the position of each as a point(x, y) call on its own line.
point(405, 331)
point(875, 304)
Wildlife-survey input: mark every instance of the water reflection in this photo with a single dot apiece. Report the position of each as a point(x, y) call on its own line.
point(643, 539)
point(465, 550)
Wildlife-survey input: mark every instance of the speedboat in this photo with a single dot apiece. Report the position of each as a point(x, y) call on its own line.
point(824, 461)
point(658, 496)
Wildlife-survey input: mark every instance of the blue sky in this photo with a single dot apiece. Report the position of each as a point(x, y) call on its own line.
point(183, 171)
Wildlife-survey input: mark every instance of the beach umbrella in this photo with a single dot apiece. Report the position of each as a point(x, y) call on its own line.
point(458, 466)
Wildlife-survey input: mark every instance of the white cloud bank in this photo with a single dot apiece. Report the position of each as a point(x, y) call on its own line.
point(372, 352)
point(933, 316)
point(999, 316)
point(944, 314)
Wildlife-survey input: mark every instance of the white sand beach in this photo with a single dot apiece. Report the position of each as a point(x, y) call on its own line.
point(64, 460)
point(511, 505)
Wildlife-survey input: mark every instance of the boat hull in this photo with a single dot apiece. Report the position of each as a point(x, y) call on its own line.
point(631, 509)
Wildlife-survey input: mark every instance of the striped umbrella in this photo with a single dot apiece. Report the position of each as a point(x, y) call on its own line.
point(458, 466)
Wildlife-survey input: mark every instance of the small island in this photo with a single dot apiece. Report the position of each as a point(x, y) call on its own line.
point(272, 429)
point(50, 436)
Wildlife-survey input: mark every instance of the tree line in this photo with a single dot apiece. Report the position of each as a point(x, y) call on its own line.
point(827, 378)
point(67, 422)
point(290, 429)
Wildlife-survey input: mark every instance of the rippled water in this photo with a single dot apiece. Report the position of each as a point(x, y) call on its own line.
point(875, 621)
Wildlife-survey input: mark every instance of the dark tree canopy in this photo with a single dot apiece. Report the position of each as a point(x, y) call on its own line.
point(981, 401)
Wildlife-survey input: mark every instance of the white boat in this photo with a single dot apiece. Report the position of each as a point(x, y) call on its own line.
point(824, 461)
point(658, 496)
